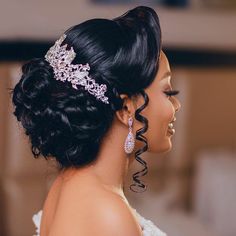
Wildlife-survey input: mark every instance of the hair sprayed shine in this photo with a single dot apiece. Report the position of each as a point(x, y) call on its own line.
point(69, 124)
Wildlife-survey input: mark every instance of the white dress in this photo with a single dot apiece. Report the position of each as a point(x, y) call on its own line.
point(148, 227)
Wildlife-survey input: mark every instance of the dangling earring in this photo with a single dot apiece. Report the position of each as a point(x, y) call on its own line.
point(129, 142)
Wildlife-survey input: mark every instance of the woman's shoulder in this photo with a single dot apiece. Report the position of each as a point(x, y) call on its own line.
point(110, 218)
point(85, 204)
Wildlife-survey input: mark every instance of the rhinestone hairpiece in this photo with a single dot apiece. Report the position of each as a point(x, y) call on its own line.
point(60, 59)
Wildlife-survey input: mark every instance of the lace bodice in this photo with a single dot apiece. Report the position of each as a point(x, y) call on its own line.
point(148, 227)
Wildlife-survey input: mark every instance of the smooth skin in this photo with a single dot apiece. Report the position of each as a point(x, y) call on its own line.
point(90, 201)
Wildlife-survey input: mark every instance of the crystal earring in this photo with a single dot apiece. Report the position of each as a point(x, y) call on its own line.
point(129, 142)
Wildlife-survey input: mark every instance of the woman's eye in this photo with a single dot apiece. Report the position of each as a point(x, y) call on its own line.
point(171, 93)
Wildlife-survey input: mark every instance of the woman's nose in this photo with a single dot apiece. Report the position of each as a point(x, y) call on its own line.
point(176, 103)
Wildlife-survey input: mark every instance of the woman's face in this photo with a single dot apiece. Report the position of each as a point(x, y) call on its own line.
point(160, 110)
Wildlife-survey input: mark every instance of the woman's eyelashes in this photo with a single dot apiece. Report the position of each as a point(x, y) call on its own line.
point(170, 93)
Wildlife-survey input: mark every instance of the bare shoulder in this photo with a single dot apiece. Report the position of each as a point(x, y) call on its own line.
point(114, 217)
point(97, 212)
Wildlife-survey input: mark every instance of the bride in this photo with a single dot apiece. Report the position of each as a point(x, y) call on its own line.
point(100, 97)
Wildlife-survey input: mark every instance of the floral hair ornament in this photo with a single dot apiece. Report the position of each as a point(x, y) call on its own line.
point(60, 59)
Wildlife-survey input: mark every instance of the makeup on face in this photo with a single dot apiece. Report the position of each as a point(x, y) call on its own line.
point(169, 92)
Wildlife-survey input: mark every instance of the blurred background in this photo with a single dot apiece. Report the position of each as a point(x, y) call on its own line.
point(192, 189)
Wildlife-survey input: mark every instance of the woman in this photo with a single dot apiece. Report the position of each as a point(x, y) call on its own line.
point(88, 103)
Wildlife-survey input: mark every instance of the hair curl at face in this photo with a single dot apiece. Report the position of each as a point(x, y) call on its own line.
point(69, 124)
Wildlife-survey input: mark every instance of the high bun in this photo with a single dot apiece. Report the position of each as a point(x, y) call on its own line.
point(69, 124)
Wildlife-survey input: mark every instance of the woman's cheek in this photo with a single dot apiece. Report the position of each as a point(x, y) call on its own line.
point(165, 108)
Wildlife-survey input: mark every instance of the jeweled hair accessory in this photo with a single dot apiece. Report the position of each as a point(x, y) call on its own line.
point(60, 59)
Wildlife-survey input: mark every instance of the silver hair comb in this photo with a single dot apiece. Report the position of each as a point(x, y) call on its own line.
point(60, 59)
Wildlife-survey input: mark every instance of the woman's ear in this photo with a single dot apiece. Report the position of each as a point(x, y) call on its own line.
point(128, 109)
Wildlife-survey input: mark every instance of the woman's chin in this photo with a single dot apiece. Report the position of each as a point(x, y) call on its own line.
point(164, 148)
point(167, 146)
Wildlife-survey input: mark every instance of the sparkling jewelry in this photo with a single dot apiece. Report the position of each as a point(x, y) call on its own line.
point(129, 142)
point(170, 125)
point(60, 59)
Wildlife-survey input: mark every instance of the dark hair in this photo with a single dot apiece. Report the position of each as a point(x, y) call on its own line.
point(69, 124)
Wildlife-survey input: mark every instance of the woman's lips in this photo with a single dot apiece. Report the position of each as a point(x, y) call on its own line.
point(171, 131)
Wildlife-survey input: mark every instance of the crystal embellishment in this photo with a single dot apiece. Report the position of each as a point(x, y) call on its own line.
point(129, 142)
point(60, 59)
